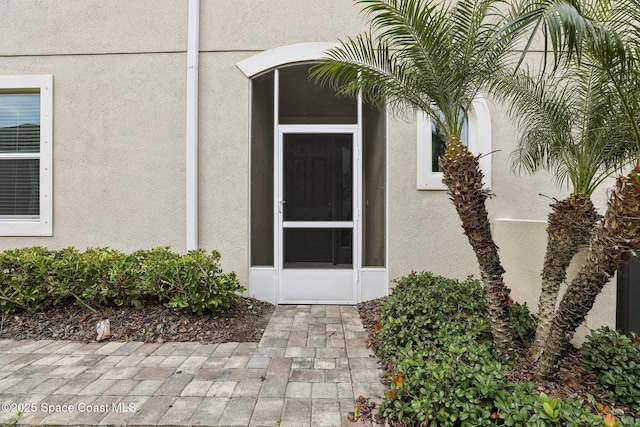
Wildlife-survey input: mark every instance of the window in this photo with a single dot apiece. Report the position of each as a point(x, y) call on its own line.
point(25, 155)
point(476, 134)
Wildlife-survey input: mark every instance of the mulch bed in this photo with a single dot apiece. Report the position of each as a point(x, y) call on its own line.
point(244, 321)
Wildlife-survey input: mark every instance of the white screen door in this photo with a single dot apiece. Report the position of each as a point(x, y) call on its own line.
point(317, 214)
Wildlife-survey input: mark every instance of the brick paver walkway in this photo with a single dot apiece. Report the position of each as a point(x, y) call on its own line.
point(307, 370)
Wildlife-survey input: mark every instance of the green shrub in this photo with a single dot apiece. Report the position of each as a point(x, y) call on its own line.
point(521, 405)
point(427, 312)
point(34, 278)
point(194, 280)
point(455, 388)
point(25, 279)
point(523, 324)
point(98, 276)
point(617, 358)
point(436, 333)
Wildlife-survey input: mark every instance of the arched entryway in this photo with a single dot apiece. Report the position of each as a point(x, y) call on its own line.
point(318, 192)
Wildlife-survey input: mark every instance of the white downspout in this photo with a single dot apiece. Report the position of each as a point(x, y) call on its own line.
point(193, 47)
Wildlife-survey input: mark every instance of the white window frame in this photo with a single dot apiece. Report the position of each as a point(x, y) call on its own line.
point(479, 123)
point(42, 226)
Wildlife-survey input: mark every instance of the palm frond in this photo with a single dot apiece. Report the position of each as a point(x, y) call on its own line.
point(569, 124)
point(426, 54)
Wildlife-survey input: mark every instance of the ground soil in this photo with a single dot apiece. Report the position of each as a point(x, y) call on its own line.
point(244, 321)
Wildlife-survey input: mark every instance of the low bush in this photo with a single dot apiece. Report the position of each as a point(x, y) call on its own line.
point(34, 278)
point(436, 334)
point(194, 280)
point(617, 358)
point(25, 281)
point(96, 277)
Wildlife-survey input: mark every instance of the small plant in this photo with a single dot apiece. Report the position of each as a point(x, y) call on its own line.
point(523, 324)
point(25, 279)
point(617, 358)
point(192, 281)
point(550, 407)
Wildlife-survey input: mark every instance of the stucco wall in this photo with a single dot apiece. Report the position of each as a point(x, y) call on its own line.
point(424, 231)
point(62, 27)
point(250, 25)
point(118, 168)
point(224, 160)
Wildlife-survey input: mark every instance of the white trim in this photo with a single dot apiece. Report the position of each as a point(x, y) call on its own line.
point(317, 224)
point(263, 284)
point(318, 286)
point(375, 283)
point(277, 201)
point(317, 128)
point(273, 58)
point(479, 122)
point(44, 225)
point(193, 30)
point(358, 232)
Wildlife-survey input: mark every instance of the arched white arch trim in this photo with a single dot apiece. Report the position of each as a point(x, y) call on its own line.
point(278, 56)
point(479, 143)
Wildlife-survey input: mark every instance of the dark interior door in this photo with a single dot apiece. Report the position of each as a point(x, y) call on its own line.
point(628, 312)
point(318, 187)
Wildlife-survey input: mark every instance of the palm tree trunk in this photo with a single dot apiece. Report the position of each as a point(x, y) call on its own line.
point(570, 225)
point(614, 240)
point(463, 178)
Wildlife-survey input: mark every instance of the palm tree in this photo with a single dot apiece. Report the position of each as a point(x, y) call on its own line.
point(568, 128)
point(436, 56)
point(602, 36)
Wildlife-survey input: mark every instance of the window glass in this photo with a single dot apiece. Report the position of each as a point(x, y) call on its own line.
point(19, 123)
point(301, 101)
point(439, 142)
point(19, 138)
point(20, 188)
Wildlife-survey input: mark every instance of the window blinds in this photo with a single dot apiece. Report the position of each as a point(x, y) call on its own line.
point(20, 155)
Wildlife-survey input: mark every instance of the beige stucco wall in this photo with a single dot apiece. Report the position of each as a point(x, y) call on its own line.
point(424, 232)
point(224, 159)
point(119, 72)
point(118, 116)
point(118, 168)
point(250, 25)
point(74, 27)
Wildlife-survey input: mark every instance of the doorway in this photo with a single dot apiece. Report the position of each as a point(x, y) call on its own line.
point(317, 214)
point(317, 192)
